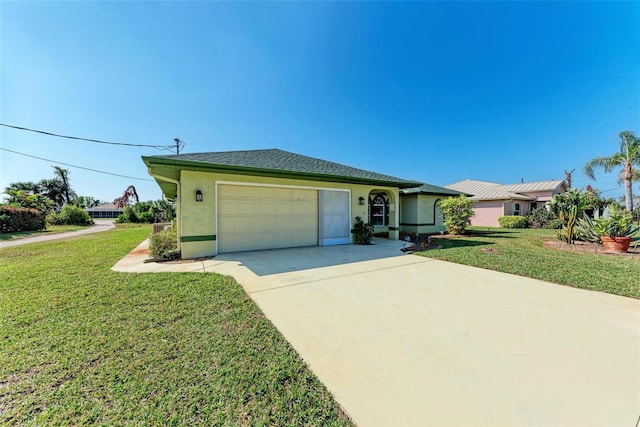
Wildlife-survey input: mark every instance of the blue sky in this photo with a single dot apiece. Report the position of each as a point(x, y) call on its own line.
point(436, 92)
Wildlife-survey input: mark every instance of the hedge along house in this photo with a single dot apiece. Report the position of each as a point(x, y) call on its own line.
point(421, 213)
point(268, 199)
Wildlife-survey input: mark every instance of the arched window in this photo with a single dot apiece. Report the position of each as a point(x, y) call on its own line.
point(379, 210)
point(516, 208)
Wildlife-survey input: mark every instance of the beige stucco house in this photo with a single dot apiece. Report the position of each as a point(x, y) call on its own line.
point(266, 199)
point(492, 200)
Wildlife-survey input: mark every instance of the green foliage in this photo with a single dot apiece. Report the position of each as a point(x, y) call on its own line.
point(363, 232)
point(25, 199)
point(570, 206)
point(14, 219)
point(617, 223)
point(540, 218)
point(148, 212)
point(457, 213)
point(69, 215)
point(128, 215)
point(627, 158)
point(555, 224)
point(512, 221)
point(164, 245)
point(86, 202)
point(585, 230)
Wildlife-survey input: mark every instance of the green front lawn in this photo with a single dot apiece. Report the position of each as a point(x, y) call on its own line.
point(80, 344)
point(51, 229)
point(522, 252)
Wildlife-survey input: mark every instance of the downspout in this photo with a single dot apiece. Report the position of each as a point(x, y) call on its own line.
point(178, 209)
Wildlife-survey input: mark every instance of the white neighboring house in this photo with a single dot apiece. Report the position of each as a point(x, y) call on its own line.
point(493, 200)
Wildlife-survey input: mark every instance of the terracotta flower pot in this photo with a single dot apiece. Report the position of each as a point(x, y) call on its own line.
point(616, 244)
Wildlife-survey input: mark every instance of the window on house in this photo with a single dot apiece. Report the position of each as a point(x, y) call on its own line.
point(516, 208)
point(378, 211)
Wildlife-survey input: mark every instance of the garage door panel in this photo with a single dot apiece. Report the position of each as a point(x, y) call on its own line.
point(254, 218)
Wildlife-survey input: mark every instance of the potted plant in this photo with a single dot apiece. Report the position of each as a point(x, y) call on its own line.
point(615, 229)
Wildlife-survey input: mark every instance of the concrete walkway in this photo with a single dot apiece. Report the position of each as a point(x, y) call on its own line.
point(100, 225)
point(407, 340)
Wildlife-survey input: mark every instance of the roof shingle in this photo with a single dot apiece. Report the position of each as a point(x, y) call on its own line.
point(279, 160)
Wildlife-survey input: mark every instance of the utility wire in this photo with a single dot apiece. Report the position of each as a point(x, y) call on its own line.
point(74, 166)
point(159, 147)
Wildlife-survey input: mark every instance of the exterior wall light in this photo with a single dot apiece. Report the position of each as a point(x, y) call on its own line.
point(198, 195)
point(361, 200)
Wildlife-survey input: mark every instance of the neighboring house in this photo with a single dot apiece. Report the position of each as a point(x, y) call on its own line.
point(421, 212)
point(105, 210)
point(492, 200)
point(267, 199)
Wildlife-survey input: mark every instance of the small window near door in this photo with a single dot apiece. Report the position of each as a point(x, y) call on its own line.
point(378, 211)
point(516, 208)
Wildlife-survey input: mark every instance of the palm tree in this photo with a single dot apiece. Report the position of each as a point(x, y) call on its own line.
point(28, 186)
point(627, 158)
point(63, 175)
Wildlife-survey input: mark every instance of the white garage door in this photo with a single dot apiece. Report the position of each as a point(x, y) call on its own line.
point(254, 218)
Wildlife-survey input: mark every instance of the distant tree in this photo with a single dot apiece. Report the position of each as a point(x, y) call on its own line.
point(25, 199)
point(627, 158)
point(63, 175)
point(30, 187)
point(125, 200)
point(53, 189)
point(86, 202)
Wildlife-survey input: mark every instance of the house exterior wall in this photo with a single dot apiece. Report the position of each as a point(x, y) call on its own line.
point(541, 196)
point(487, 213)
point(420, 214)
point(197, 220)
point(510, 205)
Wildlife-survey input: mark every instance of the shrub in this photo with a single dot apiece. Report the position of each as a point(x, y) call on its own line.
point(512, 221)
point(164, 245)
point(457, 213)
point(555, 224)
point(128, 215)
point(540, 218)
point(363, 232)
point(21, 219)
point(70, 215)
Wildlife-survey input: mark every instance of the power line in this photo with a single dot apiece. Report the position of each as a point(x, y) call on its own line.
point(159, 147)
point(74, 166)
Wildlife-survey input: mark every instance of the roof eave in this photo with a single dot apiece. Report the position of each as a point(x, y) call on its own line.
point(273, 173)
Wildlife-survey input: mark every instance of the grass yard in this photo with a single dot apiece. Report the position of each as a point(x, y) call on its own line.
point(80, 344)
point(521, 252)
point(51, 229)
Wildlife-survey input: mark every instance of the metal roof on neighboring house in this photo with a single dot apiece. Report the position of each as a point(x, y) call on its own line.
point(482, 190)
point(431, 189)
point(104, 207)
point(277, 163)
point(529, 187)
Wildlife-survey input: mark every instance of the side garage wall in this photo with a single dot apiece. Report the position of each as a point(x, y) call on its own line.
point(197, 220)
point(421, 215)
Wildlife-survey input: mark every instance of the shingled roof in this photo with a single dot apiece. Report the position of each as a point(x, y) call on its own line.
point(276, 163)
point(431, 189)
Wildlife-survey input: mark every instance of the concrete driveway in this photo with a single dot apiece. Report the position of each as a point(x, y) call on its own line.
point(407, 340)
